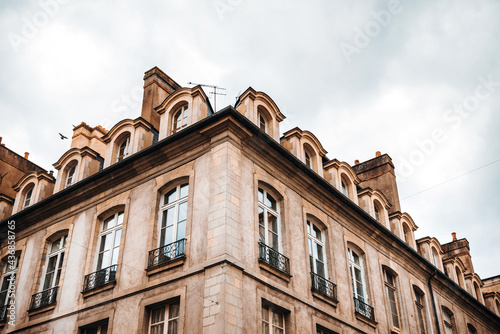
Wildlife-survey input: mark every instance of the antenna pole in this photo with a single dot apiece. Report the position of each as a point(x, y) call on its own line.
point(215, 93)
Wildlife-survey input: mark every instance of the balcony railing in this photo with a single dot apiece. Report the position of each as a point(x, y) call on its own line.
point(44, 298)
point(274, 258)
point(166, 253)
point(100, 278)
point(324, 286)
point(3, 313)
point(364, 309)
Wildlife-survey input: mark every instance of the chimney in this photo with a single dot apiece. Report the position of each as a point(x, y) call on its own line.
point(454, 235)
point(377, 154)
point(26, 154)
point(356, 162)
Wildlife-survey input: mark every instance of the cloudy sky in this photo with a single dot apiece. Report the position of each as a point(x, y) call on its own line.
point(419, 80)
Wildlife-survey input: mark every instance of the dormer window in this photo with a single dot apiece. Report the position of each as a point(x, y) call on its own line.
point(377, 214)
point(28, 197)
point(308, 160)
point(123, 149)
point(180, 119)
point(345, 189)
point(70, 177)
point(262, 123)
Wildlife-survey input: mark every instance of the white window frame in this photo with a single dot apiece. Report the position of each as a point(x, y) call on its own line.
point(59, 255)
point(262, 122)
point(176, 205)
point(70, 175)
point(183, 113)
point(28, 196)
point(392, 287)
point(352, 266)
point(167, 317)
point(118, 217)
point(126, 146)
point(420, 305)
point(269, 210)
point(344, 187)
point(311, 242)
point(272, 327)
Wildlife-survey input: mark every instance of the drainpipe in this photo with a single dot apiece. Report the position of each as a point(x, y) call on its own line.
point(433, 302)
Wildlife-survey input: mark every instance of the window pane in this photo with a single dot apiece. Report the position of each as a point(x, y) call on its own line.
point(321, 268)
point(273, 240)
point(51, 266)
point(105, 242)
point(261, 195)
point(157, 329)
point(173, 310)
point(114, 259)
point(184, 190)
point(171, 196)
point(272, 222)
point(119, 218)
point(270, 202)
point(172, 326)
point(261, 225)
point(277, 319)
point(168, 217)
point(181, 230)
point(56, 245)
point(265, 327)
point(157, 315)
point(48, 281)
point(317, 232)
point(118, 235)
point(182, 211)
point(108, 223)
point(319, 252)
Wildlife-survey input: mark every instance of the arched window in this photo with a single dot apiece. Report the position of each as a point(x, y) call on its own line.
point(109, 241)
point(357, 271)
point(28, 196)
point(8, 278)
point(406, 234)
point(459, 276)
point(435, 257)
point(377, 212)
point(477, 290)
point(317, 258)
point(180, 119)
point(471, 329)
point(344, 186)
point(71, 175)
point(308, 159)
point(123, 149)
point(173, 213)
point(392, 297)
point(448, 321)
point(269, 220)
point(420, 305)
point(262, 123)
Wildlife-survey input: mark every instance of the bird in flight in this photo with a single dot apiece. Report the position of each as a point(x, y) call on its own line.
point(63, 136)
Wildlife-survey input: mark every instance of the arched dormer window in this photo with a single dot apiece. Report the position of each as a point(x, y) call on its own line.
point(262, 122)
point(376, 211)
point(308, 159)
point(435, 257)
point(407, 234)
point(123, 148)
point(460, 280)
point(344, 186)
point(28, 196)
point(180, 118)
point(70, 174)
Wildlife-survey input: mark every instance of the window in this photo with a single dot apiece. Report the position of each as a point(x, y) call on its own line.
point(357, 276)
point(344, 186)
point(377, 212)
point(471, 329)
point(180, 119)
point(419, 304)
point(447, 319)
point(477, 290)
point(28, 197)
point(173, 213)
point(109, 241)
point(164, 319)
point(262, 123)
point(8, 278)
point(273, 320)
point(435, 257)
point(391, 290)
point(316, 250)
point(308, 160)
point(95, 329)
point(459, 276)
point(406, 234)
point(323, 330)
point(269, 220)
point(70, 176)
point(123, 149)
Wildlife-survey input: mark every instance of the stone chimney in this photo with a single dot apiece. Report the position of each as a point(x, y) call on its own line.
point(458, 248)
point(378, 173)
point(26, 155)
point(157, 86)
point(454, 235)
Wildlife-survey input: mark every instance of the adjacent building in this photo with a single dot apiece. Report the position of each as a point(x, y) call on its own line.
point(186, 220)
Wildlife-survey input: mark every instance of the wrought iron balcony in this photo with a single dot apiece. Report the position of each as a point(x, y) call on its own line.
point(324, 286)
point(3, 313)
point(100, 278)
point(44, 298)
point(364, 309)
point(166, 253)
point(274, 258)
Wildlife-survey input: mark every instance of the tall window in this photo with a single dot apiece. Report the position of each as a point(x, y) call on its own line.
point(54, 262)
point(273, 320)
point(173, 213)
point(447, 319)
point(477, 291)
point(406, 234)
point(70, 176)
point(123, 149)
point(377, 212)
point(357, 276)
point(344, 186)
point(28, 197)
point(434, 257)
point(180, 119)
point(392, 304)
point(109, 241)
point(8, 278)
point(316, 250)
point(269, 220)
point(164, 319)
point(262, 123)
point(419, 304)
point(459, 276)
point(308, 159)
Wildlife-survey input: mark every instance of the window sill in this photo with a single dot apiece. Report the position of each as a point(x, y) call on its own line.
point(41, 309)
point(100, 289)
point(177, 262)
point(270, 269)
point(325, 299)
point(366, 320)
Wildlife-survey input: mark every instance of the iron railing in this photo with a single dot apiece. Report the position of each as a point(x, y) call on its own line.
point(166, 253)
point(324, 286)
point(364, 309)
point(100, 278)
point(44, 298)
point(274, 258)
point(3, 313)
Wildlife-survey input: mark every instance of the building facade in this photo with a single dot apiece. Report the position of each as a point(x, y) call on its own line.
point(186, 220)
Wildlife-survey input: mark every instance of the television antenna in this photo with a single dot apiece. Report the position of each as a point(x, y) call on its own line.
point(214, 93)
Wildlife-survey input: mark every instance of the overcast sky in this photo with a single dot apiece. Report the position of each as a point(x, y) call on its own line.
point(419, 80)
